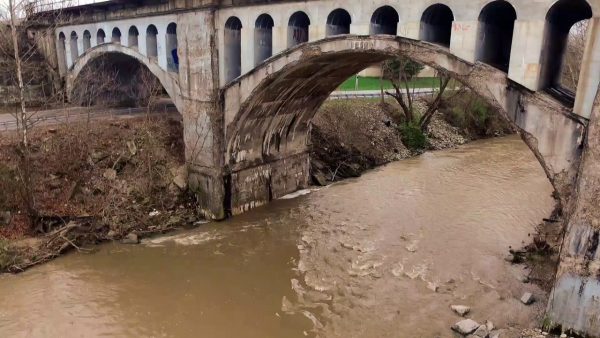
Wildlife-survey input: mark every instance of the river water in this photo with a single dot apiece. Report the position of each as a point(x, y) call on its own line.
point(384, 255)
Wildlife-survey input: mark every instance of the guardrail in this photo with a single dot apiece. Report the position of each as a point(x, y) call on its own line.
point(48, 120)
point(349, 95)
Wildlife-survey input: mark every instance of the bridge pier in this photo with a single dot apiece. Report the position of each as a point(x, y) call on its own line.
point(575, 300)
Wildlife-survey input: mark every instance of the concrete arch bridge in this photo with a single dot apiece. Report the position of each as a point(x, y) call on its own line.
point(249, 75)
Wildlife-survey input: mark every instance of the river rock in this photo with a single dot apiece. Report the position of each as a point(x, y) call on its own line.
point(131, 238)
point(5, 218)
point(110, 174)
point(527, 298)
point(481, 332)
point(465, 327)
point(111, 234)
point(489, 325)
point(495, 334)
point(461, 310)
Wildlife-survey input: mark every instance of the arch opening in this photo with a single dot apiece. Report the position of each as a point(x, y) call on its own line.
point(385, 21)
point(115, 80)
point(116, 35)
point(171, 44)
point(338, 22)
point(298, 26)
point(73, 46)
point(233, 48)
point(100, 37)
point(151, 42)
point(62, 51)
point(563, 48)
point(263, 38)
point(436, 25)
point(87, 40)
point(133, 37)
point(495, 33)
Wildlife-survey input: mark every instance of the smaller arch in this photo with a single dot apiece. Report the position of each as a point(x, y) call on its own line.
point(87, 40)
point(298, 29)
point(132, 37)
point(561, 18)
point(338, 22)
point(384, 21)
point(233, 48)
point(436, 25)
point(116, 35)
point(73, 46)
point(171, 44)
point(62, 51)
point(495, 33)
point(151, 41)
point(263, 38)
point(100, 37)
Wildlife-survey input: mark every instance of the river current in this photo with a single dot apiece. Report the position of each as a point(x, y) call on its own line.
point(383, 255)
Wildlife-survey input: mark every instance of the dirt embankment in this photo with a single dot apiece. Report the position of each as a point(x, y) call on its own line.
point(110, 180)
point(351, 136)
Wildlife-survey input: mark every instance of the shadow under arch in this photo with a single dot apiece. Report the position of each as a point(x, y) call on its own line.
point(268, 110)
point(169, 81)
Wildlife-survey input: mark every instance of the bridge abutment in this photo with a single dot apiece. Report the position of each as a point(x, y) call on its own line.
point(575, 300)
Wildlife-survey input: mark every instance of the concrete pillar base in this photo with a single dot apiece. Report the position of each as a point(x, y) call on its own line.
point(210, 193)
point(256, 186)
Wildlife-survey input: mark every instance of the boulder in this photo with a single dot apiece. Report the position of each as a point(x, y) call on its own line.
point(131, 238)
point(489, 325)
point(527, 298)
point(461, 310)
point(465, 327)
point(180, 177)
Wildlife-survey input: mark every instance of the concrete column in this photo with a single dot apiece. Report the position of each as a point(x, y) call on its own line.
point(360, 28)
point(575, 300)
point(68, 53)
point(247, 49)
point(526, 51)
point(316, 32)
point(161, 42)
point(589, 76)
point(409, 29)
point(463, 40)
point(202, 118)
point(142, 43)
point(279, 39)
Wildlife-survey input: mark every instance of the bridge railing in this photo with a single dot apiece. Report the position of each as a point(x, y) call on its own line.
point(62, 118)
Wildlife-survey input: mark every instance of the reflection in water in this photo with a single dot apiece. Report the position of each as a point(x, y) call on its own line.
point(383, 255)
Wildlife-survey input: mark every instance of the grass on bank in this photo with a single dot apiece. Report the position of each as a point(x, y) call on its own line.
point(373, 83)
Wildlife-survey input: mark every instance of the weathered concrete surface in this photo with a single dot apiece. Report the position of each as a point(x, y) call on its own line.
point(575, 300)
point(268, 111)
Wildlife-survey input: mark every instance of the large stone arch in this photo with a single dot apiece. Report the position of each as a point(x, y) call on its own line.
point(268, 110)
point(169, 81)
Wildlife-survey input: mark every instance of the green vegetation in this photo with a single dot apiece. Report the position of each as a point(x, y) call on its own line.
point(473, 115)
point(412, 136)
point(373, 83)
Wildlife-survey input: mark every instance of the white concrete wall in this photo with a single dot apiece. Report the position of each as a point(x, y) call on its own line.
point(526, 50)
point(527, 38)
point(161, 23)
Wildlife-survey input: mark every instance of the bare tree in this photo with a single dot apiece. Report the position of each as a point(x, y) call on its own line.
point(400, 72)
point(149, 89)
point(20, 63)
point(574, 55)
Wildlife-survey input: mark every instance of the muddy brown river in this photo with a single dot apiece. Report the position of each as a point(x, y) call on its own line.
point(384, 255)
